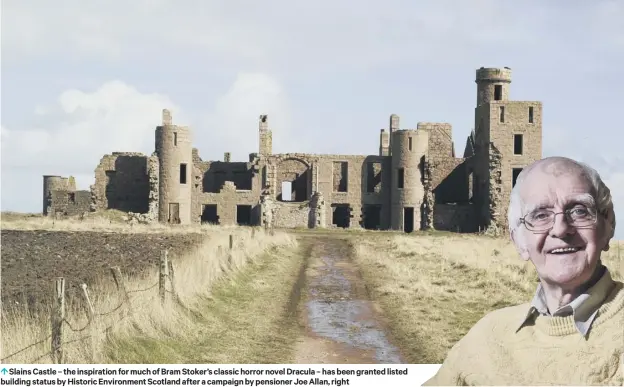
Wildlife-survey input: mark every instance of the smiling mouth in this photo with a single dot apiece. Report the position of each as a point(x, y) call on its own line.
point(565, 250)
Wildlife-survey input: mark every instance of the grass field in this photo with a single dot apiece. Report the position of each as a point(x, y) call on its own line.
point(223, 312)
point(431, 286)
point(434, 287)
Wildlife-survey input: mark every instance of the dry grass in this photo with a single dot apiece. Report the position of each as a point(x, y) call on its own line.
point(434, 287)
point(106, 221)
point(224, 314)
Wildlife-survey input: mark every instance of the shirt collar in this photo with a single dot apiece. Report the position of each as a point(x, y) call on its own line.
point(584, 308)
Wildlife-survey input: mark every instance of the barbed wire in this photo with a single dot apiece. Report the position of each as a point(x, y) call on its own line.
point(71, 327)
point(143, 290)
point(25, 348)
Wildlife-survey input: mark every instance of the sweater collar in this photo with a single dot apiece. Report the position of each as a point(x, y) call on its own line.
point(583, 308)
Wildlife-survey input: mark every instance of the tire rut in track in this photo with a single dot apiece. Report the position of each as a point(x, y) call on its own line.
point(340, 324)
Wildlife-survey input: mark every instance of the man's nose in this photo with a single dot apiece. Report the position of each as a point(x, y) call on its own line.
point(561, 227)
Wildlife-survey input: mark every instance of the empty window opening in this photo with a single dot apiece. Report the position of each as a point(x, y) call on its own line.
point(243, 215)
point(341, 215)
point(182, 173)
point(373, 177)
point(209, 214)
point(372, 216)
point(175, 138)
point(502, 114)
point(400, 178)
point(530, 114)
point(174, 213)
point(300, 186)
point(517, 144)
point(514, 175)
point(71, 197)
point(498, 92)
point(409, 143)
point(243, 179)
point(286, 195)
point(341, 176)
point(408, 219)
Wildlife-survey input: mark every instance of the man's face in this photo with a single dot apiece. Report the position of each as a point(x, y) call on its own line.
point(559, 188)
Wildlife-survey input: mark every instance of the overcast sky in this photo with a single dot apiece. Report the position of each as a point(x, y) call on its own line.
point(84, 78)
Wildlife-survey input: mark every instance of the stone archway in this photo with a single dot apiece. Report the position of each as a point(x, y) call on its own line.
point(293, 175)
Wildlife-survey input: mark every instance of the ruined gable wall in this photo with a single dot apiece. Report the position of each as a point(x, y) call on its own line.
point(122, 183)
point(449, 177)
point(223, 190)
point(450, 180)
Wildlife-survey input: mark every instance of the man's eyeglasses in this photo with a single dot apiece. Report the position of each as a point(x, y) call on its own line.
point(543, 220)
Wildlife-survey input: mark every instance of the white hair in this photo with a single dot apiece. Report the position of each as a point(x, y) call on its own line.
point(601, 194)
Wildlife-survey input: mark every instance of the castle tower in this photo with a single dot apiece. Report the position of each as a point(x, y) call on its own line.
point(508, 137)
point(52, 183)
point(265, 137)
point(492, 84)
point(175, 155)
point(409, 150)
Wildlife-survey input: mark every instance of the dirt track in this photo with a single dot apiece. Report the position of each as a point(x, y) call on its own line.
point(341, 324)
point(32, 259)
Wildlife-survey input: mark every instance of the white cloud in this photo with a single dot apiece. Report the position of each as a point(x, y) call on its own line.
point(81, 126)
point(233, 124)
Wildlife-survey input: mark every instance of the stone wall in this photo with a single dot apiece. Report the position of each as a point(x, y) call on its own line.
point(454, 217)
point(440, 139)
point(508, 120)
point(122, 183)
point(69, 203)
point(291, 215)
point(449, 180)
point(216, 173)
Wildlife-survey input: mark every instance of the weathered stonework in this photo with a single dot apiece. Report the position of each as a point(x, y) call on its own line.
point(414, 182)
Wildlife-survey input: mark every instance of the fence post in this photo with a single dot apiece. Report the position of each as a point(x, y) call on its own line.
point(121, 286)
point(231, 251)
point(164, 273)
point(172, 282)
point(253, 232)
point(58, 316)
point(91, 316)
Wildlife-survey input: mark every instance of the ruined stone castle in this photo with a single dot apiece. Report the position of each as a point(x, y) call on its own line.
point(416, 181)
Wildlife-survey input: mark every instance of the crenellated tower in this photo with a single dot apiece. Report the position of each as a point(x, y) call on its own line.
point(508, 137)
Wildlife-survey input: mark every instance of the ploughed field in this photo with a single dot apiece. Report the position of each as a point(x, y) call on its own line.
point(31, 260)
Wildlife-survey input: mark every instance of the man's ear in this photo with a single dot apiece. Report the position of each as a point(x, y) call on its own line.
point(520, 247)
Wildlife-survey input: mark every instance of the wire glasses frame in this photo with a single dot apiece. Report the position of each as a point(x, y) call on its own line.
point(543, 220)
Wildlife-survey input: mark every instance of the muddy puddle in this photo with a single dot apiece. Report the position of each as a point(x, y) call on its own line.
point(337, 308)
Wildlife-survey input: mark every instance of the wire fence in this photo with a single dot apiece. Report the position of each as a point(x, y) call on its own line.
point(59, 321)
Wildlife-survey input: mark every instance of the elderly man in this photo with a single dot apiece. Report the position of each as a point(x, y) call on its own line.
point(561, 219)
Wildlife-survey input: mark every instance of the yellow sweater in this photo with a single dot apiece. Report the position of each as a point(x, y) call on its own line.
point(549, 352)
